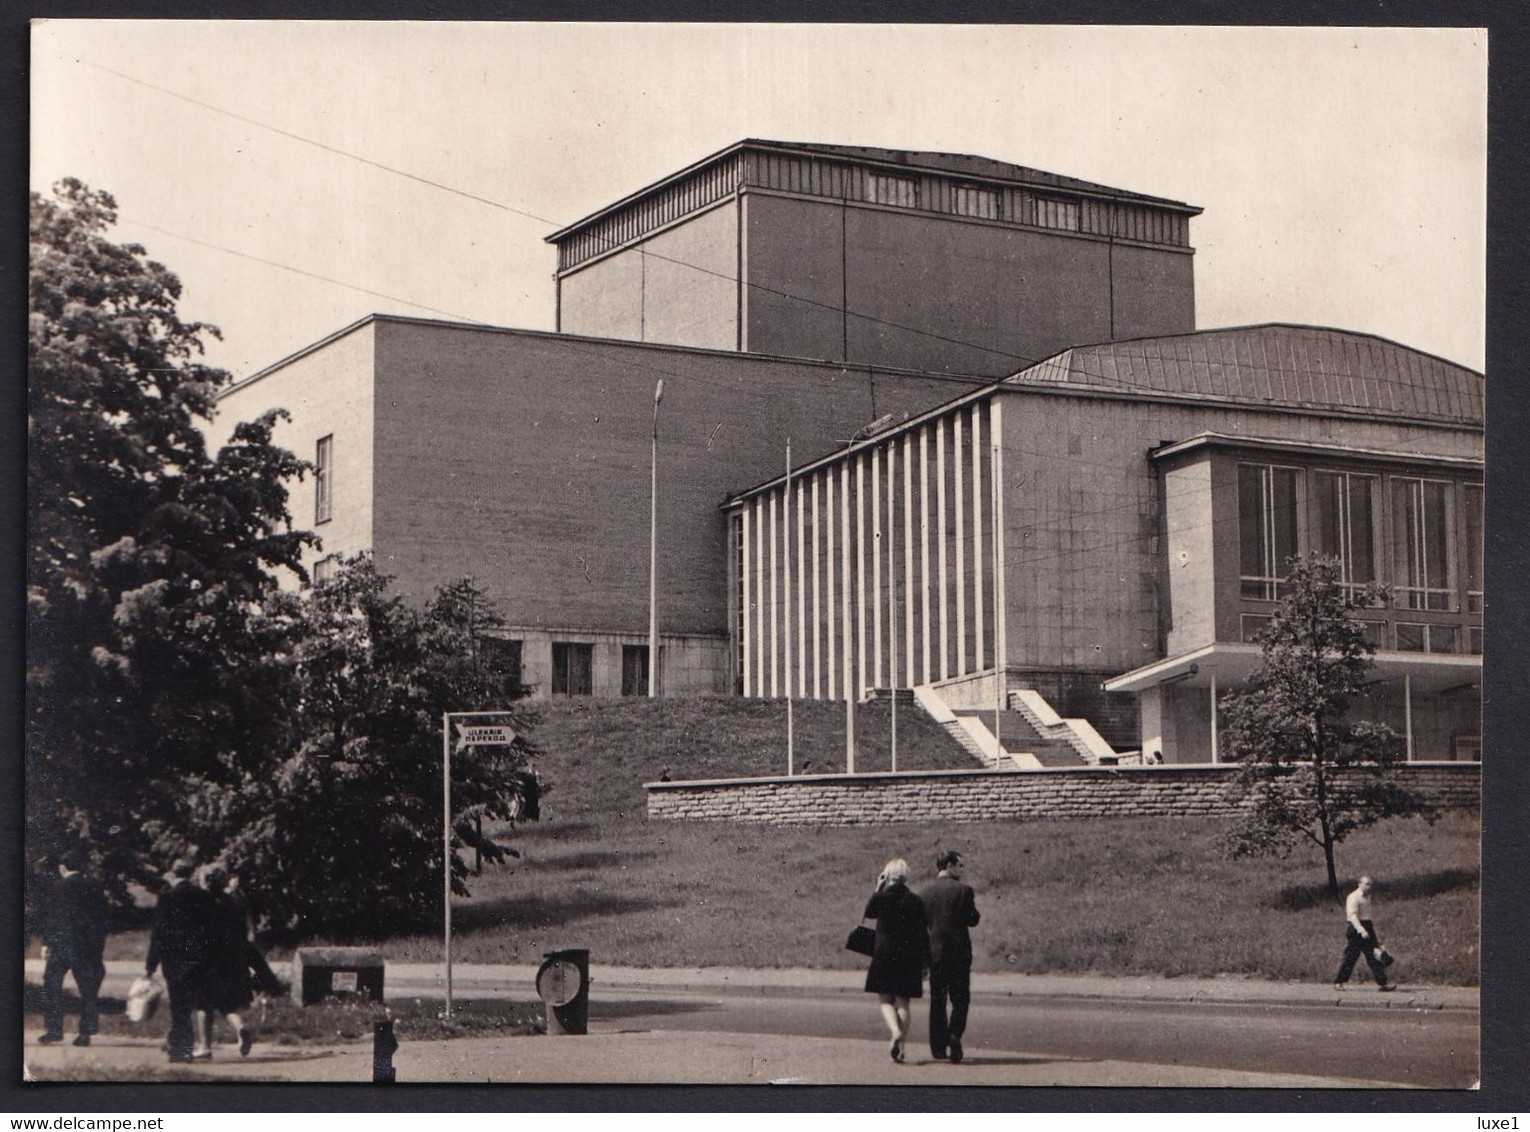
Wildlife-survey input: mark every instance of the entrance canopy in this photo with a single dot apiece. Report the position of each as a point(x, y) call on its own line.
point(1227, 664)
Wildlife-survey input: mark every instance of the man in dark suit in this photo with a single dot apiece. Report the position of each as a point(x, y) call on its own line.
point(74, 938)
point(182, 941)
point(950, 908)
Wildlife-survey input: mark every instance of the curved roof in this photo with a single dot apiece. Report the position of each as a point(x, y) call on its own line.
point(1275, 364)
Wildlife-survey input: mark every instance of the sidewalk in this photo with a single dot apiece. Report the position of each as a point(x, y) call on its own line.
point(610, 1055)
point(503, 980)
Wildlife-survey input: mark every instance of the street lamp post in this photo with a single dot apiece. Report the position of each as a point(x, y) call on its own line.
point(653, 549)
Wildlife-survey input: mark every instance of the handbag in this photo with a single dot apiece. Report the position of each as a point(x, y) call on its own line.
point(143, 997)
point(1385, 957)
point(862, 940)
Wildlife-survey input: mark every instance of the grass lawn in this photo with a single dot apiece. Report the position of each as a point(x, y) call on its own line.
point(1119, 896)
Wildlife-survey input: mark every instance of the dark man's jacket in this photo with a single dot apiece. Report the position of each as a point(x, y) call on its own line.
point(950, 908)
point(185, 928)
point(76, 924)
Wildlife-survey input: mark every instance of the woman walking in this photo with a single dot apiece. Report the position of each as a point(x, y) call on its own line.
point(902, 950)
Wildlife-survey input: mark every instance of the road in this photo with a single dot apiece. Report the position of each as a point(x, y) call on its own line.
point(1428, 1048)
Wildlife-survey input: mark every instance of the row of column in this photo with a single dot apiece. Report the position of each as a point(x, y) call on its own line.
point(878, 569)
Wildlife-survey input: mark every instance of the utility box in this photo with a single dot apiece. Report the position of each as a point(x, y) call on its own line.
point(337, 972)
point(563, 982)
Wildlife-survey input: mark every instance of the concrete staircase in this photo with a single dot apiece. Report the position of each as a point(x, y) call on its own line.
point(1020, 731)
point(1031, 733)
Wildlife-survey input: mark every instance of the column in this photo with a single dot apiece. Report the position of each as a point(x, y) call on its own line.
point(960, 540)
point(817, 601)
point(924, 554)
point(977, 537)
point(940, 541)
point(746, 611)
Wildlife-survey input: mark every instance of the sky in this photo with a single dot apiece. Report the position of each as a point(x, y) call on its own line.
point(300, 175)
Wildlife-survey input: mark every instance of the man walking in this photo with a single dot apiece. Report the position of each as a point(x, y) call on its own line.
point(950, 908)
point(1360, 938)
point(74, 938)
point(182, 940)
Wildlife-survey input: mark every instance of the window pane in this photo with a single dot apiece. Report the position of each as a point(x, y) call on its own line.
point(1436, 536)
point(1410, 638)
point(1054, 213)
point(1362, 528)
point(1328, 503)
point(973, 201)
point(1283, 483)
point(891, 190)
point(1251, 528)
point(323, 478)
point(1472, 494)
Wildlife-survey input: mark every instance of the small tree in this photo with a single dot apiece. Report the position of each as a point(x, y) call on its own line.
point(339, 830)
point(1309, 773)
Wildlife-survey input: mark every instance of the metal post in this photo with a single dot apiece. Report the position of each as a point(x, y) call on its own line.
point(1214, 737)
point(1408, 712)
point(446, 823)
point(998, 660)
point(786, 522)
point(653, 549)
point(892, 620)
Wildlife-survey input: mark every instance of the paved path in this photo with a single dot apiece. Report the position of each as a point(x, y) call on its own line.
point(655, 1054)
point(610, 1055)
point(504, 980)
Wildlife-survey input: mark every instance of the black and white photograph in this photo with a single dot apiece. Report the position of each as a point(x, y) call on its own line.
point(917, 556)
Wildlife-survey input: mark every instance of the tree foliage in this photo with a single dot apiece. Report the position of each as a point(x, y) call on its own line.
point(1310, 772)
point(179, 701)
point(146, 555)
point(341, 830)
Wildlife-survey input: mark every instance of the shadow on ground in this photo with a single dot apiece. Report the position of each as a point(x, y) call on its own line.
point(1419, 886)
point(539, 910)
point(589, 859)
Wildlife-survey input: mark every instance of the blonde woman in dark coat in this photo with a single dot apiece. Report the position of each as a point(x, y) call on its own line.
point(902, 950)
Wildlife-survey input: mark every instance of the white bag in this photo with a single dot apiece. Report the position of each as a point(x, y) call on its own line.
point(143, 997)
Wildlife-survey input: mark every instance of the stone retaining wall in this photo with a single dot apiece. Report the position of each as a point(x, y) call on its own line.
point(984, 795)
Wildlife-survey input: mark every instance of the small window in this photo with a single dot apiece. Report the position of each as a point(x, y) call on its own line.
point(634, 670)
point(1474, 639)
point(324, 570)
point(901, 191)
point(573, 664)
point(969, 200)
point(1055, 212)
point(323, 479)
point(1252, 625)
point(504, 659)
point(1413, 637)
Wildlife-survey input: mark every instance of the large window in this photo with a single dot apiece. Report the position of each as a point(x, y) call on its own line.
point(572, 665)
point(1344, 523)
point(1266, 528)
point(1421, 518)
point(901, 191)
point(1472, 496)
point(324, 479)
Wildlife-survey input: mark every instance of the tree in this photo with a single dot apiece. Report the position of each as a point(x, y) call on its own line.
point(1310, 773)
point(341, 830)
point(147, 558)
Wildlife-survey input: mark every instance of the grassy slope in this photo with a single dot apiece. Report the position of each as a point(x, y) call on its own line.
point(1150, 896)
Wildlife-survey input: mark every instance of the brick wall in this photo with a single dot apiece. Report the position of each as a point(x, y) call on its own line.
point(984, 795)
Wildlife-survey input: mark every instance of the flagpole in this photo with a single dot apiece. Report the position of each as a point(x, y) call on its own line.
point(787, 622)
point(446, 824)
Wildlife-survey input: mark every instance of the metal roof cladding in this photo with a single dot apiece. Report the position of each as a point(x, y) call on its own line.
point(1275, 364)
point(951, 164)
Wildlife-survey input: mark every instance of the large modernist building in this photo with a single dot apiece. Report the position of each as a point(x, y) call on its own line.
point(1012, 453)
